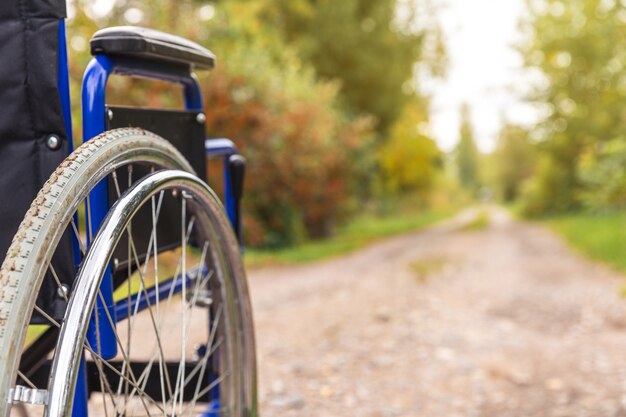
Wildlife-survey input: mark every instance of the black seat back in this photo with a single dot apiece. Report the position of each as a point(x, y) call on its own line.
point(31, 111)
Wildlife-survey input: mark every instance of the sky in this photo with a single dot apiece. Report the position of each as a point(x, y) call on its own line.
point(484, 71)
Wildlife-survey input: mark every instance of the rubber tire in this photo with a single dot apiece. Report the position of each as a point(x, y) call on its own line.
point(31, 250)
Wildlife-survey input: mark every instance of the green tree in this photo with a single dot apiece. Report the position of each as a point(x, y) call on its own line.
point(409, 160)
point(513, 161)
point(578, 47)
point(363, 44)
point(603, 173)
point(302, 172)
point(466, 153)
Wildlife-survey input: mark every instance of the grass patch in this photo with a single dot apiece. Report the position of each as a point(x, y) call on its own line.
point(515, 209)
point(355, 235)
point(601, 237)
point(479, 222)
point(425, 267)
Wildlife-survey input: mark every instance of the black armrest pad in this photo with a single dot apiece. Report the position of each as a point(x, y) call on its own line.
point(131, 41)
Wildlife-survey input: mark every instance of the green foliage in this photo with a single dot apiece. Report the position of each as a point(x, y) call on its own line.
point(409, 160)
point(300, 86)
point(480, 221)
point(546, 192)
point(578, 47)
point(424, 268)
point(303, 170)
point(467, 154)
point(601, 237)
point(363, 44)
point(356, 234)
point(513, 162)
point(604, 175)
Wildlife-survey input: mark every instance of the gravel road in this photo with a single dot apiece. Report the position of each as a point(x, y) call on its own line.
point(503, 321)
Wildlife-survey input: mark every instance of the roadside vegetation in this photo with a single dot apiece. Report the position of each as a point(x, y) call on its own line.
point(356, 234)
point(321, 98)
point(569, 170)
point(424, 268)
point(479, 222)
point(600, 237)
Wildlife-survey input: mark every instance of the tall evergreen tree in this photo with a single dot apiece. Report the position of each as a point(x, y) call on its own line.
point(467, 153)
point(514, 161)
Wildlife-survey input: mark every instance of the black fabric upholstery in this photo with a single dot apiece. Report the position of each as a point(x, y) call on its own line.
point(30, 106)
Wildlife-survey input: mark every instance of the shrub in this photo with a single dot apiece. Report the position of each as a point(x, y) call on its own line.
point(603, 173)
point(300, 149)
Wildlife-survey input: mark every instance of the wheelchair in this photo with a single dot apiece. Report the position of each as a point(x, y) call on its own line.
point(122, 291)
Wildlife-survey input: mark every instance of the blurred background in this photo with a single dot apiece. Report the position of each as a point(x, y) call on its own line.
point(364, 119)
point(374, 108)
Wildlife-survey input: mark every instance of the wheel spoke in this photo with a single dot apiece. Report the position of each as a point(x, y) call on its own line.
point(123, 352)
point(142, 288)
point(213, 384)
point(47, 316)
point(25, 379)
point(205, 359)
point(58, 282)
point(116, 184)
point(88, 215)
point(155, 257)
point(131, 382)
point(181, 369)
point(104, 384)
point(81, 244)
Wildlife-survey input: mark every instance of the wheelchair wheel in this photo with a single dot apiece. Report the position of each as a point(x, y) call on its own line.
point(181, 323)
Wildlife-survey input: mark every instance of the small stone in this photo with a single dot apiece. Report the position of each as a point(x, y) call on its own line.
point(445, 354)
point(326, 391)
point(291, 402)
point(382, 316)
point(349, 401)
point(278, 386)
point(297, 369)
point(554, 384)
point(520, 378)
point(384, 360)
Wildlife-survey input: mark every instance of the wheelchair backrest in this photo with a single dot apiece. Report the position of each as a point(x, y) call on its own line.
point(33, 139)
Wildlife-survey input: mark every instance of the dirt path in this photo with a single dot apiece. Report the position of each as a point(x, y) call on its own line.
point(504, 321)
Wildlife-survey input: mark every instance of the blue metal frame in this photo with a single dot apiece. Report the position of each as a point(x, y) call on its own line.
point(93, 96)
point(63, 84)
point(143, 300)
point(97, 75)
point(224, 148)
point(79, 406)
point(93, 106)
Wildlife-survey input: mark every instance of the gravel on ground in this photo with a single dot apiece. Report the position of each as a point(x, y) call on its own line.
point(503, 321)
